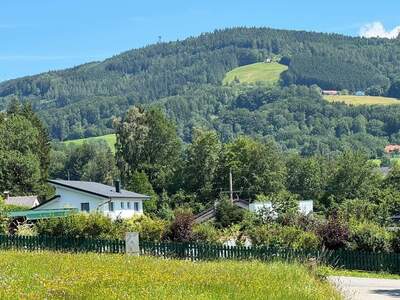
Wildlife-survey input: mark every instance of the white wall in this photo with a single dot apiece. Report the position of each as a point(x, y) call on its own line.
point(305, 206)
point(70, 198)
point(124, 213)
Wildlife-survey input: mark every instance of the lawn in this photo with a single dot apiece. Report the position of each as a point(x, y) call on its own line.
point(109, 138)
point(258, 72)
point(362, 100)
point(47, 275)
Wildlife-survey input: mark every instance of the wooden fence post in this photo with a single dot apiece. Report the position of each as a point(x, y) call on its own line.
point(132, 243)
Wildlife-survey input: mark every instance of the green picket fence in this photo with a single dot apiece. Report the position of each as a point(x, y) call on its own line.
point(41, 243)
point(352, 260)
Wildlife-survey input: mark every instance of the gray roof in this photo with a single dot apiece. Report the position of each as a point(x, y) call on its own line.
point(385, 170)
point(27, 201)
point(98, 189)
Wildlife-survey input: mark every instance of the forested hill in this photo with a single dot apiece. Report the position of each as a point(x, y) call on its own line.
point(81, 101)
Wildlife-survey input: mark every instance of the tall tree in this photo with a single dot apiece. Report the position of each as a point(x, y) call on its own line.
point(257, 167)
point(147, 141)
point(24, 152)
point(202, 159)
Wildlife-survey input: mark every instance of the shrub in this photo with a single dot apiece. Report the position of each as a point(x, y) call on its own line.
point(334, 233)
point(149, 229)
point(274, 235)
point(227, 214)
point(264, 235)
point(309, 222)
point(182, 226)
point(396, 241)
point(368, 236)
point(358, 209)
point(77, 226)
point(307, 241)
point(205, 232)
point(98, 225)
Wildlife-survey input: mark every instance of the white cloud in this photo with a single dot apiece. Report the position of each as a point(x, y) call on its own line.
point(376, 29)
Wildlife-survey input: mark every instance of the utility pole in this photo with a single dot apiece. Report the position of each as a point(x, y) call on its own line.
point(230, 186)
point(231, 191)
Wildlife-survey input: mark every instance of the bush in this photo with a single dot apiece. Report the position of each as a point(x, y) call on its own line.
point(78, 226)
point(227, 214)
point(182, 226)
point(334, 233)
point(307, 241)
point(358, 209)
point(205, 232)
point(396, 241)
point(149, 229)
point(284, 237)
point(370, 237)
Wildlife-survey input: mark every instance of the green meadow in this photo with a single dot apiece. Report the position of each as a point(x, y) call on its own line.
point(258, 72)
point(48, 275)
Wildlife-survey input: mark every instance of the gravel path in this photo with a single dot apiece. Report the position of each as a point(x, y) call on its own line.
point(355, 288)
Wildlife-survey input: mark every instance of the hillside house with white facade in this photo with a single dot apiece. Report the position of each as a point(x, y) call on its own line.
point(92, 197)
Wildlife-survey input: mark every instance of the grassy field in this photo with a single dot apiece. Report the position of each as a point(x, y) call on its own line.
point(109, 138)
point(263, 72)
point(354, 273)
point(362, 100)
point(33, 275)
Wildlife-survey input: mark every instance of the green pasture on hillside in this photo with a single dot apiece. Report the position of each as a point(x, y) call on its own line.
point(362, 100)
point(48, 275)
point(258, 72)
point(109, 138)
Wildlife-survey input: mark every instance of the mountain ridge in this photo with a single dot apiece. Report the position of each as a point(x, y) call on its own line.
point(81, 101)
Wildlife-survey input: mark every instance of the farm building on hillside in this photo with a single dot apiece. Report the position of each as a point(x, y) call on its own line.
point(22, 201)
point(390, 149)
point(90, 197)
point(330, 92)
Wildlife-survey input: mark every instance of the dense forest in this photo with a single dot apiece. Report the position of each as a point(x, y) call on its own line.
point(353, 201)
point(184, 78)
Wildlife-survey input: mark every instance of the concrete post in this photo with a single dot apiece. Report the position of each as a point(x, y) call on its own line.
point(132, 243)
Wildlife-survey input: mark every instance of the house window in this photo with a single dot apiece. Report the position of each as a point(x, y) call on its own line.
point(85, 207)
point(136, 206)
point(111, 206)
point(128, 205)
point(122, 205)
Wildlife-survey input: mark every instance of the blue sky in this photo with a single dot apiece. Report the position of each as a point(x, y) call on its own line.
point(41, 35)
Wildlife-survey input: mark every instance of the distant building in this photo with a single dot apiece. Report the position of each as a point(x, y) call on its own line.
point(305, 207)
point(268, 60)
point(360, 93)
point(390, 149)
point(22, 201)
point(330, 92)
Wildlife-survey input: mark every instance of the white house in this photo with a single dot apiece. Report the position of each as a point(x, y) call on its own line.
point(90, 197)
point(305, 206)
